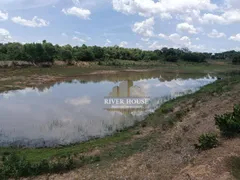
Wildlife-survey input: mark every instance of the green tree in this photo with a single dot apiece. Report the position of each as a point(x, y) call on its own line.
point(66, 55)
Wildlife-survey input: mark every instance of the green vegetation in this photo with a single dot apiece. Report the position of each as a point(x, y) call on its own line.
point(207, 141)
point(225, 55)
point(229, 123)
point(236, 60)
point(194, 57)
point(14, 166)
point(47, 52)
point(36, 155)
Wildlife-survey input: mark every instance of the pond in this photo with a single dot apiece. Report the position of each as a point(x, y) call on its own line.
point(74, 110)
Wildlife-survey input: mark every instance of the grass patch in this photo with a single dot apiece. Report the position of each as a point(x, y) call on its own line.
point(36, 155)
point(15, 165)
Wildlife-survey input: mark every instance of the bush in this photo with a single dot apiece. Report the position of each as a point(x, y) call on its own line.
point(207, 141)
point(229, 123)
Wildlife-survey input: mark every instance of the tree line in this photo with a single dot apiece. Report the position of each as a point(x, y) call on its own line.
point(234, 56)
point(47, 52)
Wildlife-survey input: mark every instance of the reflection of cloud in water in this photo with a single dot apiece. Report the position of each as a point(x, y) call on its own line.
point(78, 101)
point(64, 116)
point(16, 108)
point(186, 83)
point(25, 91)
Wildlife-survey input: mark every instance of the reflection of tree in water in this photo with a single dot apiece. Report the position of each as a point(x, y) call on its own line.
point(118, 76)
point(126, 89)
point(43, 88)
point(167, 77)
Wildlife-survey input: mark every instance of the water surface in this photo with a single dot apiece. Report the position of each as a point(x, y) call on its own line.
point(74, 111)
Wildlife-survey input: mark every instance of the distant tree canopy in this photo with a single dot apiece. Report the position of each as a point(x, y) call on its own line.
point(236, 59)
point(194, 57)
point(47, 52)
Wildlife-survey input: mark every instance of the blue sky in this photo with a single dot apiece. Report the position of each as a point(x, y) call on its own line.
point(200, 25)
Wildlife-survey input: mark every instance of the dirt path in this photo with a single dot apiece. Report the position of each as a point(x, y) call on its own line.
point(172, 155)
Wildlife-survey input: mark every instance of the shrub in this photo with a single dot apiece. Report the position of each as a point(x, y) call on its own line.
point(207, 141)
point(229, 123)
point(14, 166)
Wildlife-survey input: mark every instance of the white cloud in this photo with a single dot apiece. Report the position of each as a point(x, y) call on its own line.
point(75, 38)
point(228, 17)
point(150, 7)
point(163, 36)
point(156, 45)
point(35, 22)
point(79, 12)
point(166, 16)
point(79, 101)
point(185, 27)
point(216, 34)
point(123, 44)
point(5, 36)
point(178, 40)
point(190, 16)
point(197, 39)
point(235, 38)
point(108, 42)
point(3, 16)
point(144, 28)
